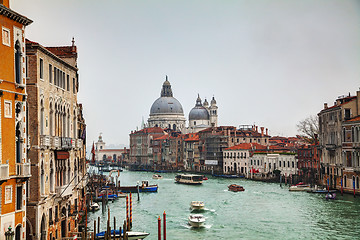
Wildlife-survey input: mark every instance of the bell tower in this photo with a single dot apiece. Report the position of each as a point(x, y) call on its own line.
point(213, 113)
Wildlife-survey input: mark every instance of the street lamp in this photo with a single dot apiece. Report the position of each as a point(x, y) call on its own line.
point(9, 234)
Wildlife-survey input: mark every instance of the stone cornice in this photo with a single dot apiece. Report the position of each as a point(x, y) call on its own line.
point(7, 12)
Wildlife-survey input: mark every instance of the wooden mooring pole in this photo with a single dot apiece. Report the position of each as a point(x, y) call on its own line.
point(164, 225)
point(159, 228)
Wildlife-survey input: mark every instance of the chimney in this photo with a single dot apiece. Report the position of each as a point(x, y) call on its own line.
point(256, 128)
point(262, 131)
point(325, 106)
point(73, 48)
point(266, 131)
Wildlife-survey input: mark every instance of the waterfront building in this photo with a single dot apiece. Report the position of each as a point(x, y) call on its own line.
point(112, 156)
point(266, 162)
point(237, 158)
point(140, 152)
point(191, 152)
point(14, 164)
point(337, 144)
point(309, 163)
point(56, 190)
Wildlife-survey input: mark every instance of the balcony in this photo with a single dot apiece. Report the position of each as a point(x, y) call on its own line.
point(79, 143)
point(66, 143)
point(4, 172)
point(65, 190)
point(55, 142)
point(73, 143)
point(23, 170)
point(44, 141)
point(330, 147)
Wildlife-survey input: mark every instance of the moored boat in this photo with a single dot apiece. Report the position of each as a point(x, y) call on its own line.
point(189, 179)
point(144, 187)
point(236, 188)
point(94, 207)
point(197, 205)
point(196, 220)
point(131, 235)
point(330, 196)
point(299, 187)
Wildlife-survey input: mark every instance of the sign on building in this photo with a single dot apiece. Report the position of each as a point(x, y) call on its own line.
point(211, 162)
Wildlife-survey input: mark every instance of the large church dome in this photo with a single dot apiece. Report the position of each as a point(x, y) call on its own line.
point(166, 111)
point(166, 105)
point(199, 112)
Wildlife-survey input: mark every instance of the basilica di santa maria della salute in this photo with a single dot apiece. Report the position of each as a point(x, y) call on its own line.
point(167, 112)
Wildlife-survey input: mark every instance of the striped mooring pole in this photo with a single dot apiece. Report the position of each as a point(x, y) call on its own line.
point(130, 210)
point(127, 213)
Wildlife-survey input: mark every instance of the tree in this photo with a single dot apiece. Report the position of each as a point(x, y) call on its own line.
point(309, 128)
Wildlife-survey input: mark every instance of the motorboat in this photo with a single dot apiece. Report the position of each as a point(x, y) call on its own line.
point(131, 235)
point(94, 207)
point(196, 220)
point(205, 178)
point(197, 205)
point(157, 176)
point(330, 196)
point(299, 187)
point(236, 188)
point(189, 179)
point(144, 187)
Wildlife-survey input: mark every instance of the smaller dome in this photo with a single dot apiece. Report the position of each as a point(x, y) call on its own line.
point(198, 112)
point(206, 104)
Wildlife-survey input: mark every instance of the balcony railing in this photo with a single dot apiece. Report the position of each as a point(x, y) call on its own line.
point(55, 142)
point(23, 169)
point(79, 143)
point(4, 172)
point(66, 143)
point(65, 190)
point(44, 141)
point(330, 147)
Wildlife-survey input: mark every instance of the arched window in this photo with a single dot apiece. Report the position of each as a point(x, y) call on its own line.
point(68, 124)
point(51, 120)
point(42, 178)
point(18, 143)
point(18, 232)
point(42, 118)
point(52, 177)
point(114, 157)
point(174, 127)
point(104, 157)
point(68, 172)
point(345, 185)
point(344, 135)
point(17, 62)
point(74, 126)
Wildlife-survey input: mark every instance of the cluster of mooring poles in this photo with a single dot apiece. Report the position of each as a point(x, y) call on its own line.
point(164, 227)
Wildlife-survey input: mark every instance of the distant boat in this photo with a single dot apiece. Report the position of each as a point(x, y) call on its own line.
point(157, 176)
point(236, 188)
point(189, 179)
point(227, 176)
point(131, 235)
point(196, 220)
point(197, 205)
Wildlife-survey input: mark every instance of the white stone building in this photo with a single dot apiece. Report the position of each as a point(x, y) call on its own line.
point(266, 163)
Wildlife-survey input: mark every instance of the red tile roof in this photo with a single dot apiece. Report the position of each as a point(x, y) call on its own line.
point(64, 51)
point(355, 119)
point(247, 146)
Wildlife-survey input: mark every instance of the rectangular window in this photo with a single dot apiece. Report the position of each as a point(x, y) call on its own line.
point(73, 85)
point(7, 109)
point(68, 82)
point(63, 83)
point(26, 66)
point(19, 195)
point(55, 77)
point(41, 69)
point(50, 73)
point(8, 194)
point(347, 114)
point(6, 36)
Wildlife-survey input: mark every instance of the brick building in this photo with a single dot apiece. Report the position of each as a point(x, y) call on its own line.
point(57, 142)
point(14, 164)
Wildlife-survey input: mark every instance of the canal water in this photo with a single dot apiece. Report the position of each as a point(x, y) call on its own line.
point(262, 211)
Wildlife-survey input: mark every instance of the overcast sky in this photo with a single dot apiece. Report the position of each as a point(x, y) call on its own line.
point(272, 63)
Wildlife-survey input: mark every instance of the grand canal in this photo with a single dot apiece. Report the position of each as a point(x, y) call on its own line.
point(263, 211)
